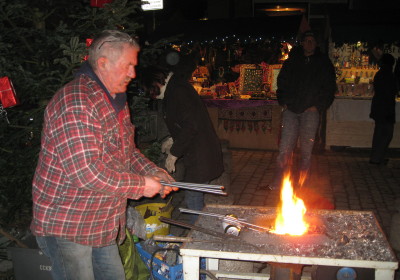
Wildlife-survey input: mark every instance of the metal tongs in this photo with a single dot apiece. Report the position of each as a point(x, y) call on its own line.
point(214, 189)
point(228, 218)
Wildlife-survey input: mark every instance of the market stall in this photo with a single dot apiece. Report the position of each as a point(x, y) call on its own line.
point(252, 124)
point(244, 112)
point(348, 122)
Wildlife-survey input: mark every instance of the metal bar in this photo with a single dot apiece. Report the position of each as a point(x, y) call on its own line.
point(217, 234)
point(239, 222)
point(185, 225)
point(168, 238)
point(196, 185)
point(205, 190)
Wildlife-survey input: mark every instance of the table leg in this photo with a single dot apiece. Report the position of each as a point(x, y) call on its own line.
point(386, 274)
point(212, 265)
point(191, 267)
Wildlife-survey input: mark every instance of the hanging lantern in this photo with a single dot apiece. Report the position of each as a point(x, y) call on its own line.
point(99, 3)
point(8, 98)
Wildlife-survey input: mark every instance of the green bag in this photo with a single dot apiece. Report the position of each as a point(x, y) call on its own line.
point(134, 267)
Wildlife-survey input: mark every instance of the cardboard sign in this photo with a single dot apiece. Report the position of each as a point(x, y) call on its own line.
point(30, 264)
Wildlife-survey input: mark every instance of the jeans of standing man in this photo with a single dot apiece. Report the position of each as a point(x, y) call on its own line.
point(194, 201)
point(72, 261)
point(302, 127)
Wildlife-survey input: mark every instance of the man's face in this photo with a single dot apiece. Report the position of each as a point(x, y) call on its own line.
point(309, 44)
point(117, 75)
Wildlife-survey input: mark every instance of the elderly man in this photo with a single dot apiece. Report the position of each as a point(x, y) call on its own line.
point(89, 166)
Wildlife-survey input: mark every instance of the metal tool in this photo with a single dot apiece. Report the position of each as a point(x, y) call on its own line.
point(214, 189)
point(225, 237)
point(227, 218)
point(197, 228)
point(180, 239)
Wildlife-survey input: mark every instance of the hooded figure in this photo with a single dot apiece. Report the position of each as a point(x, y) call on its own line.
point(193, 137)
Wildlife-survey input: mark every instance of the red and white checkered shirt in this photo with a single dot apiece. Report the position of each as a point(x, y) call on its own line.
point(88, 167)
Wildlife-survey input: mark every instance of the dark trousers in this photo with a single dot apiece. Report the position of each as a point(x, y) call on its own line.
point(383, 134)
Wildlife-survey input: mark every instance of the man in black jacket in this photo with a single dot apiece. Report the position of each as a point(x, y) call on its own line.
point(306, 88)
point(383, 109)
point(186, 117)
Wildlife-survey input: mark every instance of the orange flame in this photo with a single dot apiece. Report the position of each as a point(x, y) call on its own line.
point(290, 218)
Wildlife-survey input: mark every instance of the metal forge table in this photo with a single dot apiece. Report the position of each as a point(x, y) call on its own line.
point(336, 238)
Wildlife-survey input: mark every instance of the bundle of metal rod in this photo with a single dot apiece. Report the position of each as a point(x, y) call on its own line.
point(227, 218)
point(214, 189)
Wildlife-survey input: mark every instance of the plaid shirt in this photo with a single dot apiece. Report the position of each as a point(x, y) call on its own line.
point(88, 167)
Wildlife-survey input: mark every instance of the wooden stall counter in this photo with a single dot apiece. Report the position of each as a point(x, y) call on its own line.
point(249, 124)
point(348, 124)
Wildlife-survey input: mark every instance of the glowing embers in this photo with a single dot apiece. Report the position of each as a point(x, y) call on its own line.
point(290, 214)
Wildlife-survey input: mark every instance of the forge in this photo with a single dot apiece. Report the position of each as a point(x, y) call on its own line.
point(334, 238)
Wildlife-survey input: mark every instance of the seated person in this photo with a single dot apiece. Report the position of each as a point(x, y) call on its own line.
point(233, 73)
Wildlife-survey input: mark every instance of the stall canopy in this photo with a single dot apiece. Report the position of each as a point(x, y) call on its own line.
point(284, 28)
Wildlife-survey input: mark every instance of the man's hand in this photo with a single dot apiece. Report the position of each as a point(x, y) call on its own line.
point(153, 187)
point(170, 163)
point(312, 109)
point(164, 176)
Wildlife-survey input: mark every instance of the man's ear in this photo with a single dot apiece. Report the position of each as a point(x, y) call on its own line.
point(102, 63)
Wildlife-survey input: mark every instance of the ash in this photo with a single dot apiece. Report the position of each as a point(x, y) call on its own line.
point(334, 234)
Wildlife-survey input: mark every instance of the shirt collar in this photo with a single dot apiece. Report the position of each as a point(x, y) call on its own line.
point(118, 103)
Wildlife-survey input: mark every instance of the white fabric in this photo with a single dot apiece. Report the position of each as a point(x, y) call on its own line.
point(170, 163)
point(166, 145)
point(354, 110)
point(164, 87)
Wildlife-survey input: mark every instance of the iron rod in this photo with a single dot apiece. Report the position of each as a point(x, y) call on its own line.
point(205, 190)
point(226, 218)
point(185, 184)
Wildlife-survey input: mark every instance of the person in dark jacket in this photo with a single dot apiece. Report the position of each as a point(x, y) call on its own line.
point(193, 136)
point(233, 73)
point(306, 88)
point(383, 109)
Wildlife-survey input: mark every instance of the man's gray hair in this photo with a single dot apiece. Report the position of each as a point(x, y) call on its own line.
point(109, 43)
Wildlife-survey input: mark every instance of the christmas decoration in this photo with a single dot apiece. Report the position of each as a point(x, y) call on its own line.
point(99, 3)
point(88, 43)
point(3, 114)
point(8, 97)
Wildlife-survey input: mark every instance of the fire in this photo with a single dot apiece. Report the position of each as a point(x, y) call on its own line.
point(290, 218)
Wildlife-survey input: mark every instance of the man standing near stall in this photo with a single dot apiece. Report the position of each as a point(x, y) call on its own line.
point(193, 137)
point(89, 166)
point(306, 88)
point(383, 109)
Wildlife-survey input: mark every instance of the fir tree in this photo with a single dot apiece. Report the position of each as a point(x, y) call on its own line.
point(41, 43)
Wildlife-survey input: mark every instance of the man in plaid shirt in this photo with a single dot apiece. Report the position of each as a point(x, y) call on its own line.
point(89, 166)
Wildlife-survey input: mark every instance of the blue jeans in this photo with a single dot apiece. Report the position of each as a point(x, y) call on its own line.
point(194, 201)
point(296, 127)
point(72, 261)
